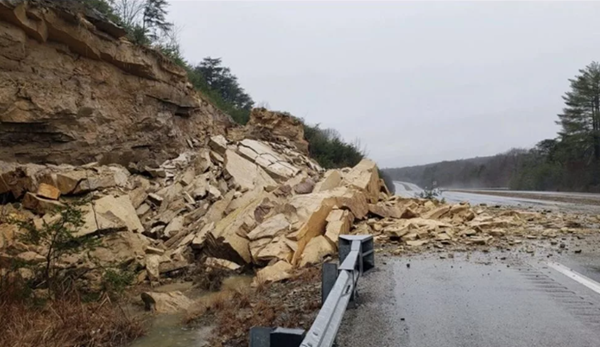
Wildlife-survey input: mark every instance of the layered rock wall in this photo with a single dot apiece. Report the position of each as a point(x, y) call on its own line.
point(73, 90)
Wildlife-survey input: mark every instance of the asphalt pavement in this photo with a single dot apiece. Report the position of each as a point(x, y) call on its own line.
point(503, 299)
point(410, 190)
point(492, 299)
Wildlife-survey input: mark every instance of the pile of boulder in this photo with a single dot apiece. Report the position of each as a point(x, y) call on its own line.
point(415, 225)
point(236, 203)
point(250, 200)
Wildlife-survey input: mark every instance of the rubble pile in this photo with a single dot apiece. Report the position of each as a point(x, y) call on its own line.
point(245, 203)
point(413, 225)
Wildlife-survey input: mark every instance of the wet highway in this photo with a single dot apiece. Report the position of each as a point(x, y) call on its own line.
point(409, 190)
point(495, 299)
point(477, 301)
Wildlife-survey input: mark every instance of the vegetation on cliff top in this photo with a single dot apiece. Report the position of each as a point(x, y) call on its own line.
point(145, 21)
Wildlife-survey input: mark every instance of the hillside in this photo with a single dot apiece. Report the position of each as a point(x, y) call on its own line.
point(480, 172)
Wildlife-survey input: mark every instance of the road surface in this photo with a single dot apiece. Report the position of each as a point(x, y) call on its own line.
point(579, 202)
point(493, 299)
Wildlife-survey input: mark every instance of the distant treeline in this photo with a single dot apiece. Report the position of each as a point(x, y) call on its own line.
point(569, 162)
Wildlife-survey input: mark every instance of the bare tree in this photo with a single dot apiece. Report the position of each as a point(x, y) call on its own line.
point(130, 11)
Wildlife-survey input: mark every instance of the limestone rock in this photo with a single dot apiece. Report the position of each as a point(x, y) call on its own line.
point(137, 196)
point(110, 214)
point(154, 250)
point(117, 101)
point(221, 264)
point(228, 239)
point(437, 213)
point(169, 267)
point(174, 227)
point(276, 249)
point(216, 212)
point(155, 198)
point(31, 257)
point(8, 232)
point(106, 177)
point(171, 302)
point(274, 273)
point(365, 177)
point(200, 236)
point(247, 174)
point(18, 178)
point(266, 124)
point(427, 223)
point(120, 248)
point(304, 187)
point(48, 191)
point(142, 210)
point(188, 177)
point(313, 209)
point(385, 211)
point(264, 156)
point(332, 179)
point(338, 223)
point(337, 228)
point(40, 205)
point(152, 263)
point(218, 144)
point(316, 250)
point(270, 228)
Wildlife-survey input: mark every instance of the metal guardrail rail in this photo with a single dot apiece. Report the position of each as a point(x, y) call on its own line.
point(338, 288)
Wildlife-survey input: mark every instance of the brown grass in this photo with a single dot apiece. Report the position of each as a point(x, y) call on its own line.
point(292, 304)
point(62, 322)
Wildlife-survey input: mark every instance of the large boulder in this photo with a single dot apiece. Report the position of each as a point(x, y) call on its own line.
point(316, 251)
point(171, 302)
point(246, 173)
point(313, 210)
point(331, 179)
point(365, 177)
point(267, 158)
point(275, 272)
point(228, 239)
point(277, 126)
point(110, 214)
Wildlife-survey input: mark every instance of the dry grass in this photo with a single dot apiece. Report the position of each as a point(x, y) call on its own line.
point(63, 322)
point(292, 304)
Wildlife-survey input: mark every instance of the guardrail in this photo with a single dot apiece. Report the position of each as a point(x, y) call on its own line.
point(338, 288)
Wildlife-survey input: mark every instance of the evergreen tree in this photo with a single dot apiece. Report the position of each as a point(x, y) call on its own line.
point(221, 80)
point(580, 119)
point(154, 20)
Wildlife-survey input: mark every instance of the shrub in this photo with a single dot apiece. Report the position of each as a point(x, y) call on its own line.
point(329, 150)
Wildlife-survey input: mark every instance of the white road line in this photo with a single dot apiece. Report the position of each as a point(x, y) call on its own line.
point(586, 281)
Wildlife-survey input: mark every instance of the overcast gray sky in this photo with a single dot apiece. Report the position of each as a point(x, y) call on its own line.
point(416, 82)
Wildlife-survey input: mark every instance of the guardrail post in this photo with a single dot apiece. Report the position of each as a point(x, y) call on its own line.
point(329, 274)
point(338, 287)
point(276, 337)
point(367, 250)
point(282, 337)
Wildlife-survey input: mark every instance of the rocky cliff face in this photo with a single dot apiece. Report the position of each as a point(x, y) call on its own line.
point(73, 90)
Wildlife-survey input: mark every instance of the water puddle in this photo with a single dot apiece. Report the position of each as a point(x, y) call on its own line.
point(170, 330)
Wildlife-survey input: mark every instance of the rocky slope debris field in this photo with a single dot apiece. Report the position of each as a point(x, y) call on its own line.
point(242, 205)
point(235, 205)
